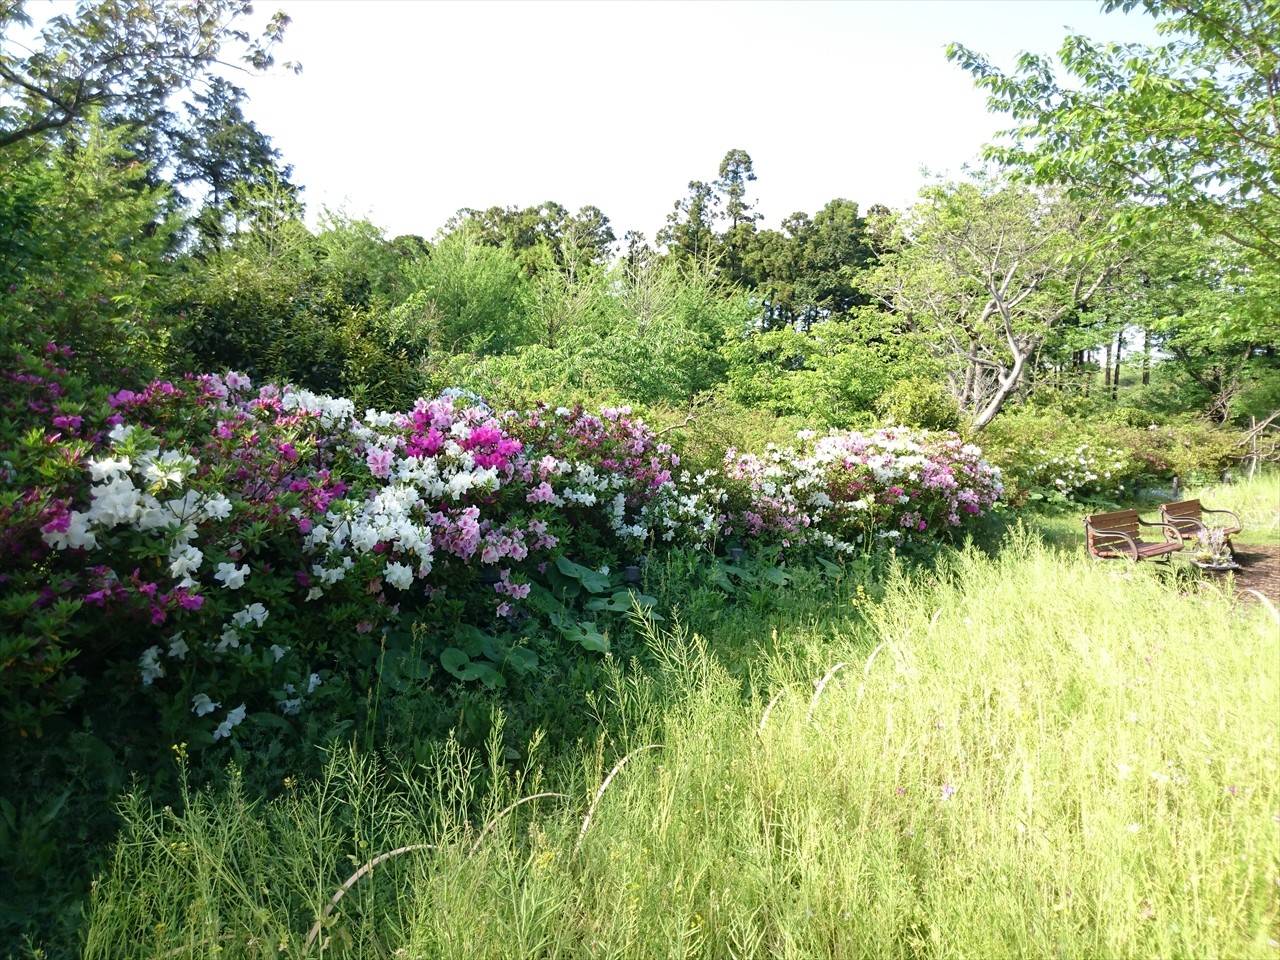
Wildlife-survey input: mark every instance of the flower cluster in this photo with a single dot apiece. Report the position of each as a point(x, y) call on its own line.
point(1078, 472)
point(246, 536)
point(847, 489)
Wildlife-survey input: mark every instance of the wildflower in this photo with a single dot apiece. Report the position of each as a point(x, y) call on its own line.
point(313, 681)
point(948, 791)
point(178, 646)
point(201, 705)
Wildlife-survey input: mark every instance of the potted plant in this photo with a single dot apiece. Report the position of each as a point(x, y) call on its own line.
point(1213, 551)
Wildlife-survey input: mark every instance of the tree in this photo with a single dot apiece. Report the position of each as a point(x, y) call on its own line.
point(119, 56)
point(690, 229)
point(1192, 125)
point(219, 149)
point(736, 171)
point(82, 245)
point(1210, 316)
point(535, 232)
point(990, 270)
point(810, 269)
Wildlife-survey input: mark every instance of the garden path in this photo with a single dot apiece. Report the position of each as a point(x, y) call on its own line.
point(1261, 563)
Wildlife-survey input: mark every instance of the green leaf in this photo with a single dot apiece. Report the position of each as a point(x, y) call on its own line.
point(585, 634)
point(454, 660)
point(486, 674)
point(593, 580)
point(522, 659)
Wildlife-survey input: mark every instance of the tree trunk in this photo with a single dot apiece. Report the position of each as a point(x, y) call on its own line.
point(1106, 369)
point(1007, 384)
point(1146, 357)
point(970, 377)
point(1115, 375)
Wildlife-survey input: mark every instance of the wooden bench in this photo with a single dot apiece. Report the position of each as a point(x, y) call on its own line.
point(1118, 535)
point(1187, 517)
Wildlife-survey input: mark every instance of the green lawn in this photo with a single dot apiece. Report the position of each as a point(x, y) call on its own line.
point(1026, 755)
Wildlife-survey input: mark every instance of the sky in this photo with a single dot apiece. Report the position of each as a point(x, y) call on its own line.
point(406, 111)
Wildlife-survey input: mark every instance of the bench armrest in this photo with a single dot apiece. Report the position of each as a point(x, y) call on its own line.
point(1131, 543)
point(1228, 513)
point(1171, 531)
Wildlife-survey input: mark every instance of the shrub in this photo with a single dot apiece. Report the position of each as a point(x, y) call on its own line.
point(846, 490)
point(916, 402)
point(1050, 457)
point(226, 551)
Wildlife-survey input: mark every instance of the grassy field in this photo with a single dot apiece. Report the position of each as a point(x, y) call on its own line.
point(1025, 755)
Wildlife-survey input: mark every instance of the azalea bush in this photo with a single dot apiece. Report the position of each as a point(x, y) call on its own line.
point(1042, 462)
point(1104, 456)
point(848, 490)
point(226, 550)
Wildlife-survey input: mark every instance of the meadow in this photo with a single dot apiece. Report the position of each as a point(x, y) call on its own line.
point(1014, 752)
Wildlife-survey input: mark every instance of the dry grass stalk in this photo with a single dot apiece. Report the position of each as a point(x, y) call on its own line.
point(764, 717)
point(826, 678)
point(351, 881)
point(595, 802)
point(506, 810)
point(1266, 602)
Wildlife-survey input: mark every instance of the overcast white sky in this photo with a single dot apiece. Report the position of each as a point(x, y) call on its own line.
point(406, 111)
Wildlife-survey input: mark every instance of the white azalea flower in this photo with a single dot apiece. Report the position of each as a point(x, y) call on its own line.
point(108, 468)
point(150, 666)
point(399, 575)
point(234, 719)
point(231, 576)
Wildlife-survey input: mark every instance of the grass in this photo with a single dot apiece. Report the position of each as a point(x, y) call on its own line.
point(1031, 754)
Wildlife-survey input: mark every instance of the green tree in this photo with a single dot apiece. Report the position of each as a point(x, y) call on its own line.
point(810, 269)
point(1210, 317)
point(464, 297)
point(690, 229)
point(984, 272)
point(534, 232)
point(736, 171)
point(119, 57)
point(1192, 125)
point(82, 245)
point(219, 150)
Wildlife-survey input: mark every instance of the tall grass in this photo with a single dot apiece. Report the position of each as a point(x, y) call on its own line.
point(1032, 755)
point(1255, 500)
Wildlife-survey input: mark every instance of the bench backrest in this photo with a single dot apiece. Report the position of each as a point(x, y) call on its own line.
point(1185, 515)
point(1103, 527)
